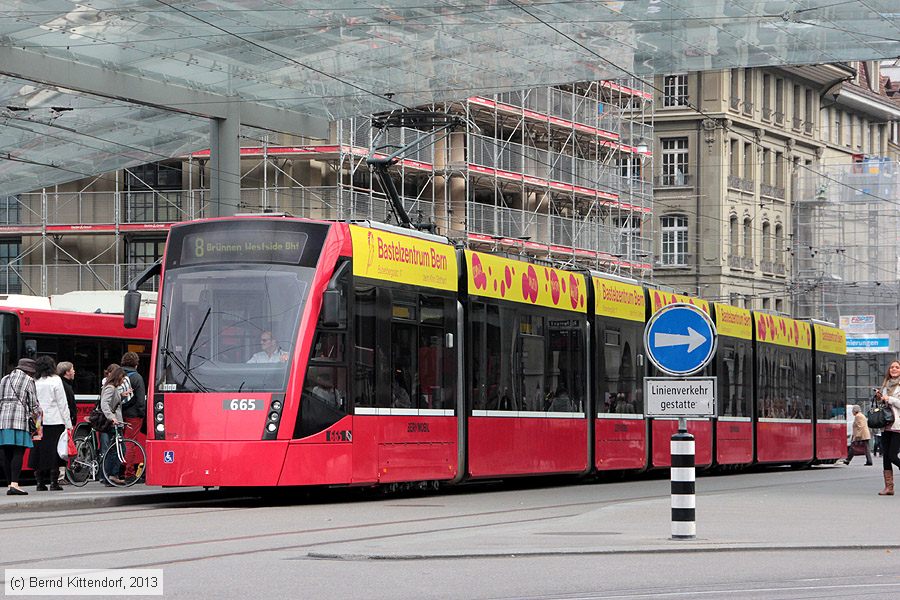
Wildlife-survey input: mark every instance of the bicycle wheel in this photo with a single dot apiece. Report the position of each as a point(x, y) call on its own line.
point(81, 467)
point(123, 463)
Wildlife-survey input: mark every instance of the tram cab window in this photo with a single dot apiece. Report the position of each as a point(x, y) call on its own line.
point(829, 384)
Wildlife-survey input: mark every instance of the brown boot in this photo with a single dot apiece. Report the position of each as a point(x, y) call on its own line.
point(888, 484)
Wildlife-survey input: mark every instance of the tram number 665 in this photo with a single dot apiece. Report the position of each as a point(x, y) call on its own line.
point(242, 404)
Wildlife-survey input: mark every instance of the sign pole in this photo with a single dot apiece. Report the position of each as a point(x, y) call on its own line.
point(680, 340)
point(684, 518)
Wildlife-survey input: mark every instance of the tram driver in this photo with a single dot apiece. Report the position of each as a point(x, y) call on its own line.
point(271, 352)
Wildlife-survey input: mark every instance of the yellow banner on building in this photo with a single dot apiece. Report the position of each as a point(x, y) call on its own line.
point(734, 322)
point(659, 298)
point(393, 257)
point(772, 329)
point(619, 300)
point(517, 281)
point(830, 339)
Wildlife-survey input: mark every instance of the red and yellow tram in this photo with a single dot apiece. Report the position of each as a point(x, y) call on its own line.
point(296, 352)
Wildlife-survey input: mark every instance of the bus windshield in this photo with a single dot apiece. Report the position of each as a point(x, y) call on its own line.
point(9, 351)
point(229, 327)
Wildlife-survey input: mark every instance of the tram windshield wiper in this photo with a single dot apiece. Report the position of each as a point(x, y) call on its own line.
point(188, 376)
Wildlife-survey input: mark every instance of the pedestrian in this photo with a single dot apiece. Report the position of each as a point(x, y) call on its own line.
point(19, 412)
point(66, 372)
point(52, 397)
point(890, 436)
point(111, 405)
point(134, 409)
point(860, 436)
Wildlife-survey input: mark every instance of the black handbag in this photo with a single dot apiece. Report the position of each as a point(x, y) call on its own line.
point(98, 420)
point(880, 416)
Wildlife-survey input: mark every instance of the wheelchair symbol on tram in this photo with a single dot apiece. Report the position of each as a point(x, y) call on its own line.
point(169, 456)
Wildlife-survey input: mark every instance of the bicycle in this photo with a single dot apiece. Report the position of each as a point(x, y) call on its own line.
point(122, 464)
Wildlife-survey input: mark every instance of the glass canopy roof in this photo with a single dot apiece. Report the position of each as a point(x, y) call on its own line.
point(91, 86)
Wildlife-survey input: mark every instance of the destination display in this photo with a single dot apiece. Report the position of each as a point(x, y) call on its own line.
point(242, 245)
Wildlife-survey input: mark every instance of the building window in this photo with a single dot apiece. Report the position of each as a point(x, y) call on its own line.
point(779, 101)
point(767, 97)
point(766, 242)
point(674, 237)
point(10, 210)
point(808, 111)
point(733, 236)
point(797, 116)
point(779, 243)
point(734, 158)
point(629, 236)
point(735, 89)
point(748, 238)
point(748, 91)
point(674, 161)
point(10, 266)
point(140, 254)
point(838, 127)
point(766, 175)
point(153, 193)
point(629, 167)
point(675, 90)
point(748, 161)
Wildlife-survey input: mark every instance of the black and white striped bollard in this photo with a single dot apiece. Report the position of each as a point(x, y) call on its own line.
point(684, 522)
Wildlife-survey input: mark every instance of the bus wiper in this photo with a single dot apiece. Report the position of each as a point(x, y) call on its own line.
point(190, 352)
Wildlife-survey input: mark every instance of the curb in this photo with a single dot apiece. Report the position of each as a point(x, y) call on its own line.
point(105, 501)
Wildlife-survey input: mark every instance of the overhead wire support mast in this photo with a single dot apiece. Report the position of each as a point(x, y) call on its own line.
point(440, 122)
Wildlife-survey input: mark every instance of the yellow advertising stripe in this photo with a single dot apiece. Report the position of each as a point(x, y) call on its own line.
point(659, 298)
point(733, 322)
point(830, 339)
point(393, 257)
point(517, 281)
point(772, 329)
point(619, 300)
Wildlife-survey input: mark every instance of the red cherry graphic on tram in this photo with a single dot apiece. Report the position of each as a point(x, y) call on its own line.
point(575, 292)
point(478, 275)
point(554, 287)
point(761, 328)
point(507, 276)
point(530, 279)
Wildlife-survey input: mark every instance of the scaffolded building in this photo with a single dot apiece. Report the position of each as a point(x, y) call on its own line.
point(558, 173)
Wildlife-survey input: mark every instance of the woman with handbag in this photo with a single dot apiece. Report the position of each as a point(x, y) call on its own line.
point(889, 394)
point(111, 405)
point(19, 411)
point(859, 440)
point(52, 396)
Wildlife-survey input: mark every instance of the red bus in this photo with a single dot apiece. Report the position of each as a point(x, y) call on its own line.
point(68, 328)
point(296, 352)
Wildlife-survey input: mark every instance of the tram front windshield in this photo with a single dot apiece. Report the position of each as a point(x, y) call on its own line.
point(229, 327)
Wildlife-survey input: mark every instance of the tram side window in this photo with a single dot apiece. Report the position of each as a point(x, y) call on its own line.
point(530, 363)
point(828, 400)
point(735, 378)
point(404, 342)
point(364, 348)
point(767, 387)
point(620, 387)
point(491, 352)
point(436, 363)
point(565, 366)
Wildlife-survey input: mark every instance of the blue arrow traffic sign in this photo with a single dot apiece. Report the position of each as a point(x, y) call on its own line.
point(680, 339)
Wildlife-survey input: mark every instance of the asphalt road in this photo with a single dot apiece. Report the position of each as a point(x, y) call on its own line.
point(773, 534)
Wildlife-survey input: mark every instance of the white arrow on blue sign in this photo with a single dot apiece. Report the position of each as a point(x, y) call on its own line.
point(680, 339)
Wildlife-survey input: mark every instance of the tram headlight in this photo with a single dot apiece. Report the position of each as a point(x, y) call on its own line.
point(271, 427)
point(159, 406)
point(160, 428)
point(159, 417)
point(276, 405)
point(273, 416)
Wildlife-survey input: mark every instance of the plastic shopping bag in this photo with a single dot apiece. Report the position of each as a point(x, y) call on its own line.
point(65, 447)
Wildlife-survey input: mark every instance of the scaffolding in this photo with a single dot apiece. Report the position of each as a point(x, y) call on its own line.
point(557, 173)
point(846, 250)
